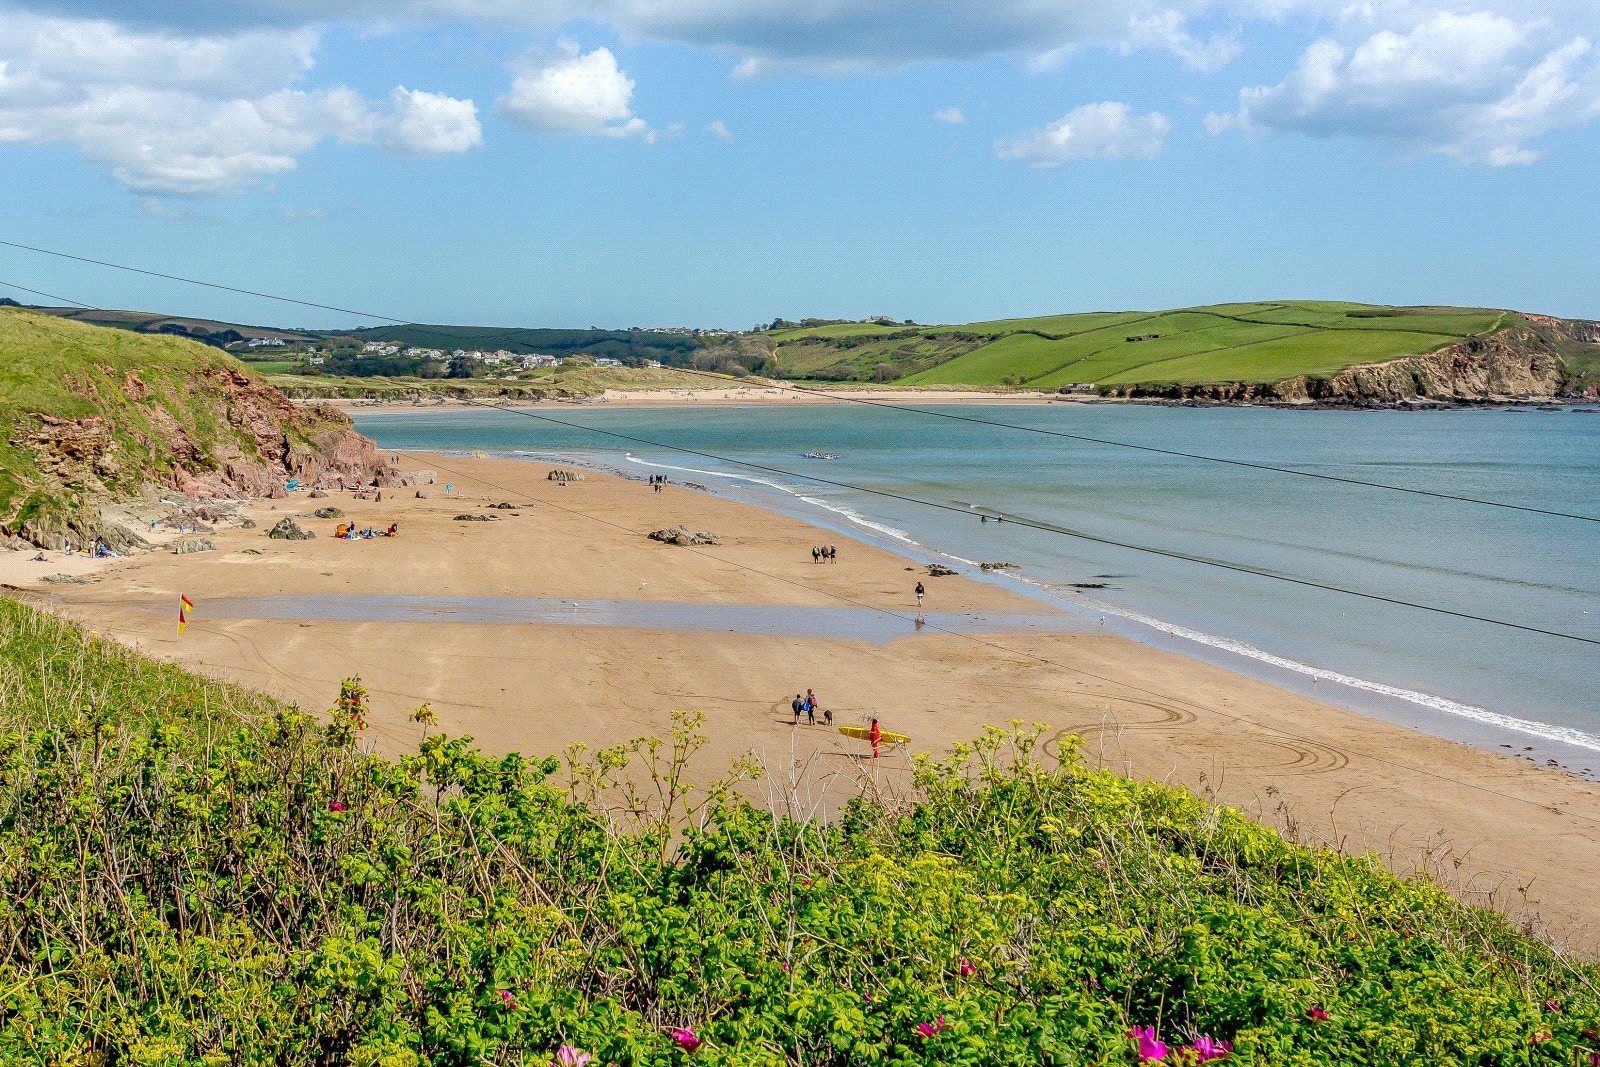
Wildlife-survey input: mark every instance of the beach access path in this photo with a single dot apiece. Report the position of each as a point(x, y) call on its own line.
point(1494, 829)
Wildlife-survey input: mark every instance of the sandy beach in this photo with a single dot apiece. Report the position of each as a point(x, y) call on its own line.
point(1493, 828)
point(744, 394)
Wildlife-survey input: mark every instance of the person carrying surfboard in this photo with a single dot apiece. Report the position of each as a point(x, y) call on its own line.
point(875, 734)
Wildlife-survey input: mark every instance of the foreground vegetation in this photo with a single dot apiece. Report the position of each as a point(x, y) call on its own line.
point(192, 873)
point(1259, 342)
point(557, 383)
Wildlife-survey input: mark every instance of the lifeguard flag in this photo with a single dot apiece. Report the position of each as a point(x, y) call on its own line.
point(185, 605)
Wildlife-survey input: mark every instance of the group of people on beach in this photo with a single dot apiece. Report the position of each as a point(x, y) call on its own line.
point(658, 482)
point(348, 532)
point(807, 706)
point(824, 554)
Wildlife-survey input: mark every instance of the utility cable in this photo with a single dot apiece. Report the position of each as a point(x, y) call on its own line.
point(1084, 438)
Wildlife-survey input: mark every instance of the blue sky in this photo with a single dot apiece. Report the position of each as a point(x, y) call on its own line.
point(720, 162)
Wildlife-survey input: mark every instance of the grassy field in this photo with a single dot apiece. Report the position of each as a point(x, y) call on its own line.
point(191, 873)
point(1246, 342)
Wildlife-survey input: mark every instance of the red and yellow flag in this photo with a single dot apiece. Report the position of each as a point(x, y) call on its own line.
point(185, 605)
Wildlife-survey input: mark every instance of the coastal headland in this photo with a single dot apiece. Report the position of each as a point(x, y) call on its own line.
point(463, 610)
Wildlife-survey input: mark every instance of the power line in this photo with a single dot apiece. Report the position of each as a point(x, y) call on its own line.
point(1047, 527)
point(1084, 438)
point(48, 296)
point(432, 459)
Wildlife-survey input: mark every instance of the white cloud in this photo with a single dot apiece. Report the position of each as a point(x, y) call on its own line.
point(1106, 130)
point(720, 131)
point(1169, 30)
point(173, 115)
point(579, 92)
point(1474, 87)
point(953, 115)
point(430, 124)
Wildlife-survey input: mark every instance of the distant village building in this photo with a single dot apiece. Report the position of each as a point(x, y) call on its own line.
point(607, 361)
point(266, 342)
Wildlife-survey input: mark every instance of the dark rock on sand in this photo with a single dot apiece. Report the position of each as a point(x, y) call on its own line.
point(682, 535)
point(289, 530)
point(327, 513)
point(939, 570)
point(192, 544)
point(477, 518)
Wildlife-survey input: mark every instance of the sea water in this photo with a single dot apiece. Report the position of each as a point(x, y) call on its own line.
point(1457, 677)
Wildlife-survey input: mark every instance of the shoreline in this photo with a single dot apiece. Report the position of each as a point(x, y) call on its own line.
point(1484, 823)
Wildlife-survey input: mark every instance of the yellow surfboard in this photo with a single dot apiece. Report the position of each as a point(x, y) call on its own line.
point(864, 733)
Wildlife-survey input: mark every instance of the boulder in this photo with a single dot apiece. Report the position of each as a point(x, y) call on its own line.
point(319, 494)
point(477, 518)
point(66, 579)
point(559, 475)
point(327, 513)
point(423, 494)
point(682, 535)
point(939, 570)
point(998, 566)
point(289, 530)
point(192, 544)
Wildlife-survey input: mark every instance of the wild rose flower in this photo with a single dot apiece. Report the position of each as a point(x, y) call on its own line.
point(1552, 1005)
point(1539, 1039)
point(1150, 1048)
point(786, 968)
point(335, 805)
point(686, 1038)
point(967, 969)
point(506, 999)
point(1317, 1014)
point(1206, 1049)
point(930, 1029)
point(569, 1056)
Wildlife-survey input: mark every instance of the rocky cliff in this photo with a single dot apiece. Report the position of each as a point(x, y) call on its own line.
point(94, 417)
point(1537, 358)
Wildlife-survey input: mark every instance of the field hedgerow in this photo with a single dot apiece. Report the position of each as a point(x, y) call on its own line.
point(190, 873)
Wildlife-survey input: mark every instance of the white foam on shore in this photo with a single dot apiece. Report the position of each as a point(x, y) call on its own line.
point(1544, 731)
point(848, 514)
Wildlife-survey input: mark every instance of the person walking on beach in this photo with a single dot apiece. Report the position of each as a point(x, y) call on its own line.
point(833, 553)
point(920, 592)
point(798, 704)
point(816, 553)
point(811, 708)
point(875, 735)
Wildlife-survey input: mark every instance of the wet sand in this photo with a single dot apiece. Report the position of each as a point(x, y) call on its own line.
point(1493, 828)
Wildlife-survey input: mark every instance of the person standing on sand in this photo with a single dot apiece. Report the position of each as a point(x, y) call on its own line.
point(815, 552)
point(920, 592)
point(811, 708)
point(798, 704)
point(875, 735)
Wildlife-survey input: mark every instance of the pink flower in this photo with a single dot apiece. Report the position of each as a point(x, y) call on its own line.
point(967, 969)
point(569, 1056)
point(1205, 1049)
point(507, 1000)
point(930, 1029)
point(685, 1037)
point(786, 969)
point(1150, 1048)
point(1317, 1014)
point(1539, 1039)
point(1552, 1005)
point(335, 805)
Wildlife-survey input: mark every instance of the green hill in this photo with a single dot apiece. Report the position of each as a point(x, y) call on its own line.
point(191, 873)
point(1142, 352)
point(90, 415)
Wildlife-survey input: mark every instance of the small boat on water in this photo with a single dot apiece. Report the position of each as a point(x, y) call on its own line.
point(818, 455)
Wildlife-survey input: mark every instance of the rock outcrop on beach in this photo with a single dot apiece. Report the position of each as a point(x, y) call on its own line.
point(682, 535)
point(94, 417)
point(286, 529)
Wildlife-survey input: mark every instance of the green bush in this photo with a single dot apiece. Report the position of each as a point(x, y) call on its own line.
point(190, 873)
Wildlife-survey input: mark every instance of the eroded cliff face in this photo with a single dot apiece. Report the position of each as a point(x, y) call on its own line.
point(253, 441)
point(1522, 362)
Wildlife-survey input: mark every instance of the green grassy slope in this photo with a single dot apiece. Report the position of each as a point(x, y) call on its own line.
point(1248, 342)
point(194, 874)
point(88, 412)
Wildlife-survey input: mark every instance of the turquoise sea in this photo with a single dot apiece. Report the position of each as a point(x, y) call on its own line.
point(1469, 680)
